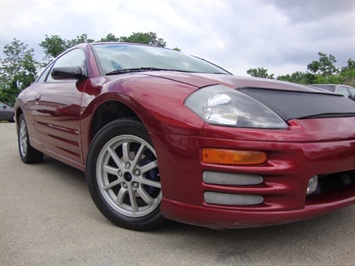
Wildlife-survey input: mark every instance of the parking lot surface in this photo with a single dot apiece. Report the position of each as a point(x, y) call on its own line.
point(48, 218)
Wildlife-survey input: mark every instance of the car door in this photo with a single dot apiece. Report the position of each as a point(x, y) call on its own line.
point(57, 109)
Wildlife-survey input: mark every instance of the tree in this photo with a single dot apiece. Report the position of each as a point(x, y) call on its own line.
point(17, 71)
point(83, 38)
point(260, 72)
point(347, 74)
point(110, 38)
point(329, 79)
point(298, 77)
point(149, 38)
point(324, 66)
point(55, 45)
point(323, 71)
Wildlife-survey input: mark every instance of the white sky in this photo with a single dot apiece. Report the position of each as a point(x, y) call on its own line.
point(282, 36)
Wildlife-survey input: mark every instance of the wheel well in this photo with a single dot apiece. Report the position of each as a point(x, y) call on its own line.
point(107, 112)
point(18, 112)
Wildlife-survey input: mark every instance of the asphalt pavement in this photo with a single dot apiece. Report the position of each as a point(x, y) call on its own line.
point(48, 218)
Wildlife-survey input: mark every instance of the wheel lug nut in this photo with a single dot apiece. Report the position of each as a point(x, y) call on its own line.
point(135, 184)
point(120, 173)
point(124, 185)
point(127, 165)
point(137, 172)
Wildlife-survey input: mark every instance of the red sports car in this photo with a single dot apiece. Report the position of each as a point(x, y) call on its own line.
point(162, 135)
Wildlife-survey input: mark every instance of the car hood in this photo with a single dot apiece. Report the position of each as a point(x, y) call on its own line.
point(288, 100)
point(202, 80)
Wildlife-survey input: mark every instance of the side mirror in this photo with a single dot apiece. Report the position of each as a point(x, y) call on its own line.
point(68, 72)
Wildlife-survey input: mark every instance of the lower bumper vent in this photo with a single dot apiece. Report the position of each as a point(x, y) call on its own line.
point(219, 178)
point(232, 199)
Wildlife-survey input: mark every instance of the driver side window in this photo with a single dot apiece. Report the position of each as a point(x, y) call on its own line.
point(74, 57)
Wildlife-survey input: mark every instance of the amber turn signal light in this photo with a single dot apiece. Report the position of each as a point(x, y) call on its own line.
point(232, 157)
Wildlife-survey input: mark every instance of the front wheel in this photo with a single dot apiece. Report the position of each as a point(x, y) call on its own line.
point(123, 176)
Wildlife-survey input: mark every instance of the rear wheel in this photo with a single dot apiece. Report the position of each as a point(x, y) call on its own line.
point(123, 176)
point(27, 152)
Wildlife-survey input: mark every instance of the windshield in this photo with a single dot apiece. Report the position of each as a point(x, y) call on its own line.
point(115, 58)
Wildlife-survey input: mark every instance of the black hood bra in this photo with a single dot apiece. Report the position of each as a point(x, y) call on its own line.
point(301, 105)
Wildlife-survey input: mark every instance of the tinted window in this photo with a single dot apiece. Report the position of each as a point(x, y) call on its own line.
point(72, 58)
point(343, 90)
point(122, 56)
point(327, 87)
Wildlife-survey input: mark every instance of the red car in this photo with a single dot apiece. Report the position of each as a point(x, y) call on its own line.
point(162, 135)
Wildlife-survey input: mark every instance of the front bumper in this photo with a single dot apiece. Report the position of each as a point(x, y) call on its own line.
point(219, 218)
point(285, 177)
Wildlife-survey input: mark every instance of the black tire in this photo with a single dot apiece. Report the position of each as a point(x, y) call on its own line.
point(28, 154)
point(123, 176)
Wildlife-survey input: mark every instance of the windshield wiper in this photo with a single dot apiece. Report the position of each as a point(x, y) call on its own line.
point(138, 69)
point(142, 69)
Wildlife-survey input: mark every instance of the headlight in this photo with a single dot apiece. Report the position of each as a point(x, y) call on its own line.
point(220, 109)
point(220, 105)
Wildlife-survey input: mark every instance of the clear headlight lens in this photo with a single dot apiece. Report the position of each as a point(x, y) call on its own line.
point(220, 109)
point(220, 105)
